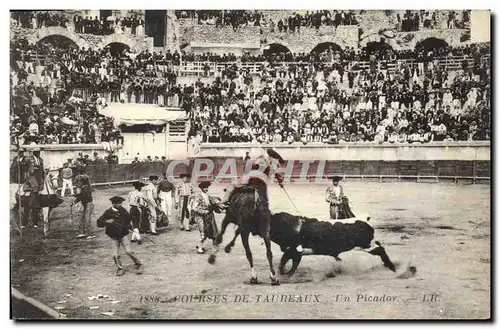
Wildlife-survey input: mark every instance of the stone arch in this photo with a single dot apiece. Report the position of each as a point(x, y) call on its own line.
point(273, 40)
point(276, 47)
point(119, 38)
point(307, 47)
point(57, 30)
point(431, 42)
point(117, 47)
point(322, 46)
point(377, 46)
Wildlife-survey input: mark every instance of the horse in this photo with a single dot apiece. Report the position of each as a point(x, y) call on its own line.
point(49, 199)
point(248, 211)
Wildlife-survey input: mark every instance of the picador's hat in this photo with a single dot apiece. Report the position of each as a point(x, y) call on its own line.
point(185, 175)
point(275, 155)
point(336, 179)
point(117, 199)
point(204, 185)
point(153, 177)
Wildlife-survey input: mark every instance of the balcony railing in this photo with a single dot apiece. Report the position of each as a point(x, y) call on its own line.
point(449, 63)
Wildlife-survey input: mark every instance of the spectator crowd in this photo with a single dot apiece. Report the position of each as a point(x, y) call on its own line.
point(324, 96)
point(334, 105)
point(331, 54)
point(407, 21)
point(50, 112)
point(80, 24)
point(426, 19)
point(241, 18)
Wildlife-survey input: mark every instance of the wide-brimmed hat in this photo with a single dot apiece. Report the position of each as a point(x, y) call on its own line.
point(204, 185)
point(116, 199)
point(336, 179)
point(153, 177)
point(184, 175)
point(138, 184)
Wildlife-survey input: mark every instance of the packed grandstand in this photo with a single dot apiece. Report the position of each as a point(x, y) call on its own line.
point(332, 94)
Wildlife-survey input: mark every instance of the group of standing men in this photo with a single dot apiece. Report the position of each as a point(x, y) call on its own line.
point(157, 197)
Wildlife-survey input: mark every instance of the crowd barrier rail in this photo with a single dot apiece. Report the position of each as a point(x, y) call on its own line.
point(450, 63)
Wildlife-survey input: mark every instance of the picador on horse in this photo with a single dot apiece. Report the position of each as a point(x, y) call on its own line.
point(247, 207)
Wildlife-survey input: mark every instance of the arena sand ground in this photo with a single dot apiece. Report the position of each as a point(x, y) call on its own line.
point(444, 229)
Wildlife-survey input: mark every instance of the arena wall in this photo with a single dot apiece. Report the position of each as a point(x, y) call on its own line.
point(298, 171)
point(143, 144)
point(83, 40)
point(54, 155)
point(469, 161)
point(140, 145)
point(303, 42)
point(476, 150)
point(308, 38)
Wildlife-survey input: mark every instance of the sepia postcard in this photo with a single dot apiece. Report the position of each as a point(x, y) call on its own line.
point(250, 164)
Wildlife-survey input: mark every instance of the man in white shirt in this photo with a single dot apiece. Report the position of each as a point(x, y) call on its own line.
point(403, 123)
point(380, 130)
point(33, 127)
point(67, 176)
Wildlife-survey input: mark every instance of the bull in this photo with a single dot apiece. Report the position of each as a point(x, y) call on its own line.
point(299, 236)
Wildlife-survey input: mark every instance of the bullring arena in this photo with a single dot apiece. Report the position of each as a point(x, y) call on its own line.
point(395, 104)
point(448, 242)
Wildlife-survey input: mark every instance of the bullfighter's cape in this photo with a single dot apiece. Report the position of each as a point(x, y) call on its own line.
point(204, 212)
point(345, 210)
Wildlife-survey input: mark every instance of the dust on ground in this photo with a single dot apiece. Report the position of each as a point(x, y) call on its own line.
point(443, 230)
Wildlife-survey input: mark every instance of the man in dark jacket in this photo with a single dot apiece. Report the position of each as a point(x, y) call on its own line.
point(117, 221)
point(18, 168)
point(85, 197)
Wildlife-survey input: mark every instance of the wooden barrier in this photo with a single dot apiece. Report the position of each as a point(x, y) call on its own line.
point(24, 307)
point(414, 170)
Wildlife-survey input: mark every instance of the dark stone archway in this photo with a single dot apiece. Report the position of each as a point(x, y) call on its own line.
point(431, 44)
point(275, 48)
point(324, 46)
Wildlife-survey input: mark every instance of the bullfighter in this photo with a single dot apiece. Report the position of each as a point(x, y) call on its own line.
point(334, 195)
point(165, 194)
point(138, 205)
point(184, 192)
point(117, 222)
point(150, 192)
point(203, 207)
